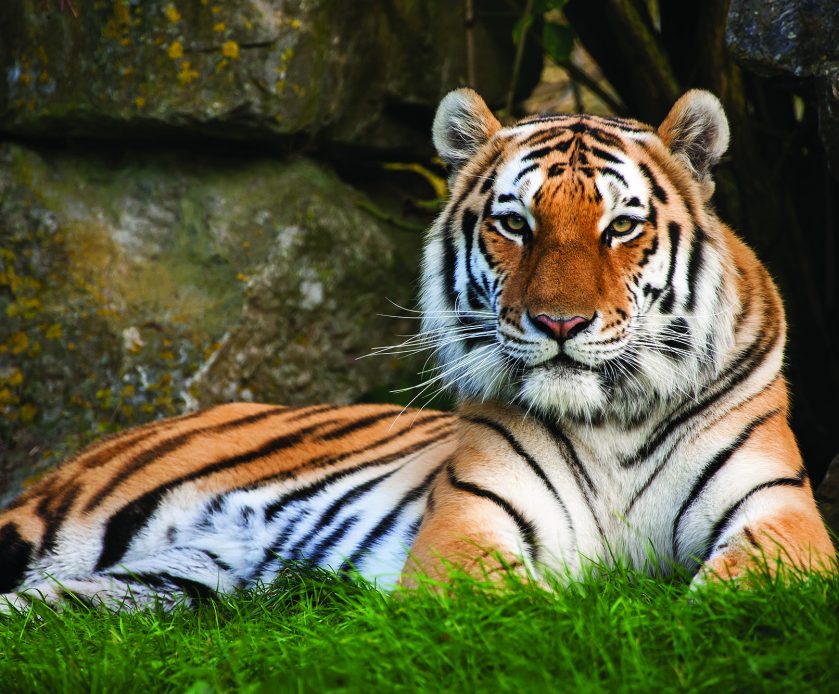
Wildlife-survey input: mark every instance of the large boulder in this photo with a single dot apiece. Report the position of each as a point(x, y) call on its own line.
point(354, 72)
point(798, 38)
point(135, 283)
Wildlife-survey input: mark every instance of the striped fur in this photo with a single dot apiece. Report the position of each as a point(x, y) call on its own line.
point(654, 431)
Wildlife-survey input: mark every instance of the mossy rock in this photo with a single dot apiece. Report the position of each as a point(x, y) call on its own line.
point(135, 283)
point(352, 72)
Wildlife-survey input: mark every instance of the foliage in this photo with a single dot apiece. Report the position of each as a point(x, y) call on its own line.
point(620, 631)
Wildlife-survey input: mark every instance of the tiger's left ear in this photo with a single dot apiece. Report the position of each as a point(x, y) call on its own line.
point(462, 125)
point(696, 131)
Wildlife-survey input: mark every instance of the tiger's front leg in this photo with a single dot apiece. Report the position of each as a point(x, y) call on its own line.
point(471, 528)
point(790, 536)
point(469, 523)
point(770, 523)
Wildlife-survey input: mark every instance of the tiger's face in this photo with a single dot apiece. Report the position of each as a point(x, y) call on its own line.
point(576, 269)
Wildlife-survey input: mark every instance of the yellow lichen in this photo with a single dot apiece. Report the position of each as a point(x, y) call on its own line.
point(187, 74)
point(172, 14)
point(140, 102)
point(54, 332)
point(15, 378)
point(176, 50)
point(219, 27)
point(230, 49)
point(19, 342)
point(295, 23)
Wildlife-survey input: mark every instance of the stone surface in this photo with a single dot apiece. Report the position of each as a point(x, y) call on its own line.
point(793, 37)
point(353, 72)
point(123, 272)
point(790, 36)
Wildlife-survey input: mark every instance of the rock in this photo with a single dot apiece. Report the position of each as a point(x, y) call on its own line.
point(123, 274)
point(347, 72)
point(793, 37)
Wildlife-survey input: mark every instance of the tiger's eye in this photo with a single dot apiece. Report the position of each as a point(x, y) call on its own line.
point(515, 222)
point(622, 225)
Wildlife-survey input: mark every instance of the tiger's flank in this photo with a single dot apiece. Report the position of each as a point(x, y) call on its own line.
point(616, 350)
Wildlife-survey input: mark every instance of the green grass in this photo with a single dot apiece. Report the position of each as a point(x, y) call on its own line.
point(617, 633)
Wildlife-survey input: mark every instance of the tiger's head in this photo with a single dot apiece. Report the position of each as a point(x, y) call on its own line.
point(577, 268)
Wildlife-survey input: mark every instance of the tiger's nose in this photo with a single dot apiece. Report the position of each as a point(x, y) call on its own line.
point(560, 329)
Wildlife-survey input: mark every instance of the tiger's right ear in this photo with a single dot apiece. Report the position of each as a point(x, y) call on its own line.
point(462, 125)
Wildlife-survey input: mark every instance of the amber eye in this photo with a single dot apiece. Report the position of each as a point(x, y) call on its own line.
point(622, 225)
point(514, 223)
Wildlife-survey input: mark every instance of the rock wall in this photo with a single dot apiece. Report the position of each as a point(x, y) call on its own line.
point(797, 38)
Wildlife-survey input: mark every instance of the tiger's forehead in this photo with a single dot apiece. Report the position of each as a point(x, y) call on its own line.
point(596, 158)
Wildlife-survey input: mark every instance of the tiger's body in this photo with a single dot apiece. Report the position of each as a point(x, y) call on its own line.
point(618, 355)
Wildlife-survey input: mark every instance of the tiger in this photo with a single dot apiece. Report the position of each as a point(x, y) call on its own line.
point(616, 353)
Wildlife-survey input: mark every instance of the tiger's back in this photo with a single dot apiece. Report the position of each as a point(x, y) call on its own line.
point(219, 499)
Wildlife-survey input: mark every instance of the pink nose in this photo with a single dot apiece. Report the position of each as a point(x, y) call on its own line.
point(561, 328)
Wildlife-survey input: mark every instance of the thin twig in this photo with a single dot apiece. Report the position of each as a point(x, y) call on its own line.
point(470, 43)
point(528, 14)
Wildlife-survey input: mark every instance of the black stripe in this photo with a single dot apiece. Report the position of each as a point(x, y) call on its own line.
point(725, 520)
point(450, 264)
point(148, 456)
point(54, 517)
point(537, 153)
point(123, 525)
point(674, 232)
point(273, 552)
point(387, 523)
point(749, 359)
point(194, 590)
point(711, 469)
point(489, 181)
point(607, 156)
point(449, 255)
point(647, 253)
point(15, 553)
point(658, 191)
point(525, 527)
point(340, 503)
point(678, 340)
point(328, 543)
point(303, 412)
point(531, 462)
point(470, 220)
point(695, 263)
point(581, 476)
point(615, 174)
point(646, 485)
point(526, 170)
point(431, 437)
point(361, 423)
point(605, 138)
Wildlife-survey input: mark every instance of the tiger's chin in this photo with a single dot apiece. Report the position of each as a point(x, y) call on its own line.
point(563, 387)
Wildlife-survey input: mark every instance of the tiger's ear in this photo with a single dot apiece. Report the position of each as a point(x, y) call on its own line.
point(462, 125)
point(696, 131)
